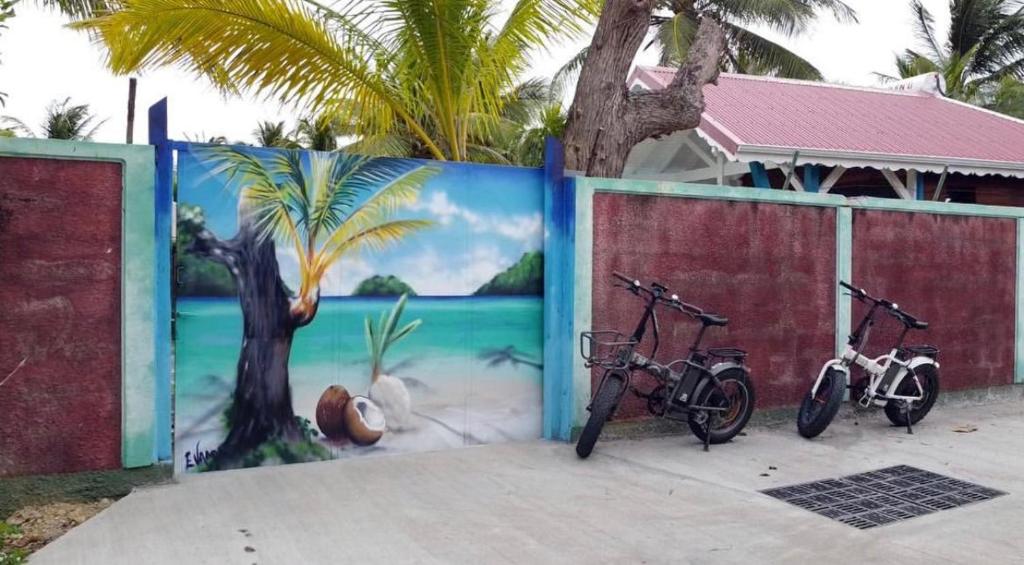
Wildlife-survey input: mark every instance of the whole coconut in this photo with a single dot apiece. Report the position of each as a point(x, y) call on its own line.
point(364, 421)
point(393, 398)
point(330, 412)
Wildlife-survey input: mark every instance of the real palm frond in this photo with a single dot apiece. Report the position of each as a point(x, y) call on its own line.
point(380, 67)
point(746, 51)
point(981, 59)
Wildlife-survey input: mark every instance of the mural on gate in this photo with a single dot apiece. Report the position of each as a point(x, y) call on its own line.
point(331, 306)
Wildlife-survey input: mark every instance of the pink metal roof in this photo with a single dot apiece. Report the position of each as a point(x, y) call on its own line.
point(753, 118)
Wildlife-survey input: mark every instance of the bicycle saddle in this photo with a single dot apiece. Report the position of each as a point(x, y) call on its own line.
point(713, 319)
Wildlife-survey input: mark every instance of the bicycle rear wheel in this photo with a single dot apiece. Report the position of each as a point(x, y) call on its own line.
point(737, 395)
point(601, 410)
point(818, 410)
point(929, 377)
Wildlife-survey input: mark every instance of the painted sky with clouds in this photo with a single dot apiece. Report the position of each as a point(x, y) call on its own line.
point(485, 218)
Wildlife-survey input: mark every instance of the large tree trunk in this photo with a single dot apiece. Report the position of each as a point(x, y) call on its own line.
point(262, 404)
point(605, 119)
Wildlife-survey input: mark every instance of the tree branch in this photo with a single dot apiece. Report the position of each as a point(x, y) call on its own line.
point(680, 105)
point(606, 120)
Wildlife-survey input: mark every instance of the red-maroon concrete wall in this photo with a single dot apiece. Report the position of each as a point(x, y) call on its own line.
point(769, 268)
point(957, 273)
point(60, 328)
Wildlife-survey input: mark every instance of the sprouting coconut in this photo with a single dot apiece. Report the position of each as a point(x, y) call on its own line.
point(364, 421)
point(387, 391)
point(330, 412)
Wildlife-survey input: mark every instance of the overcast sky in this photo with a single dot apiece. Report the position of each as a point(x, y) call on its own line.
point(43, 61)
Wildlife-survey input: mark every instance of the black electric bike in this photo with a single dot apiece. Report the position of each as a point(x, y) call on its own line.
point(710, 389)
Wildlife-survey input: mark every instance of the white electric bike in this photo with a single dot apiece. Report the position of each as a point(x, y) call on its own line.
point(905, 382)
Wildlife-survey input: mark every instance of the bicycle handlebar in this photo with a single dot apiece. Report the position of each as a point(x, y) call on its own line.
point(891, 307)
point(657, 292)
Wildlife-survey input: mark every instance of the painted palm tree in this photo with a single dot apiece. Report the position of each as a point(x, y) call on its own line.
point(320, 207)
point(63, 120)
point(437, 69)
point(982, 57)
point(746, 51)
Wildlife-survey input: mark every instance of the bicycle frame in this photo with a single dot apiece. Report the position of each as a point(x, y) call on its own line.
point(685, 384)
point(885, 373)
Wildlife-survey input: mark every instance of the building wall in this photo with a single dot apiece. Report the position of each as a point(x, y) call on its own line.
point(770, 268)
point(770, 260)
point(60, 315)
point(958, 273)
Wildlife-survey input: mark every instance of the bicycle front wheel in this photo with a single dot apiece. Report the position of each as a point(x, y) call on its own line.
point(818, 410)
point(601, 410)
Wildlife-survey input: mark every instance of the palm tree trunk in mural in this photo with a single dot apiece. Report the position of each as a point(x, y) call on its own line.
point(322, 206)
point(262, 405)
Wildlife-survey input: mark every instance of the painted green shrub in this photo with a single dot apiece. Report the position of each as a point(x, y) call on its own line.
point(526, 277)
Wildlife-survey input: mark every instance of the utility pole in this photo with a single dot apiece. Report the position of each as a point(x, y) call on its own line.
point(131, 111)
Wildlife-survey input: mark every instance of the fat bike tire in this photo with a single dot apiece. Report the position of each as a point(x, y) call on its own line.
point(929, 377)
point(737, 394)
point(817, 411)
point(601, 410)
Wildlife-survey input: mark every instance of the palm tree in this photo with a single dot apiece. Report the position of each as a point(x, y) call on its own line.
point(79, 8)
point(437, 69)
point(6, 13)
point(63, 121)
point(321, 206)
point(746, 51)
point(273, 134)
point(982, 58)
point(320, 133)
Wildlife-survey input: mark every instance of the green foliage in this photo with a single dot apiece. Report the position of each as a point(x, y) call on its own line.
point(320, 133)
point(982, 57)
point(10, 555)
point(6, 13)
point(378, 285)
point(79, 8)
point(63, 120)
point(420, 77)
point(746, 51)
point(273, 134)
point(198, 276)
point(384, 334)
point(526, 277)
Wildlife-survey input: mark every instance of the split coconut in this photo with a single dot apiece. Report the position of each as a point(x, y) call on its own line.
point(364, 421)
point(341, 416)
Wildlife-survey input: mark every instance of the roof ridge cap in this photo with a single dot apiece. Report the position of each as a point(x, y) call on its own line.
point(801, 82)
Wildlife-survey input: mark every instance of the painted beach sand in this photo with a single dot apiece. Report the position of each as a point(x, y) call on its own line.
point(467, 389)
point(465, 345)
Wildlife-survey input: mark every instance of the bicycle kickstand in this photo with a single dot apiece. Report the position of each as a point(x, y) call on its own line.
point(906, 410)
point(707, 431)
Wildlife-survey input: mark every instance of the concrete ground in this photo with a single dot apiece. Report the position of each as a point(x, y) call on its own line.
point(658, 500)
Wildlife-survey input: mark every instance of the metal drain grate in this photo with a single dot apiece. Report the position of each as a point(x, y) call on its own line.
point(884, 496)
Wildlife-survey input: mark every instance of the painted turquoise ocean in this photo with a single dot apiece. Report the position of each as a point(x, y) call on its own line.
point(472, 367)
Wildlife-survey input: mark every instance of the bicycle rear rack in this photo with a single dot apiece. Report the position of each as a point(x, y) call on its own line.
point(728, 353)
